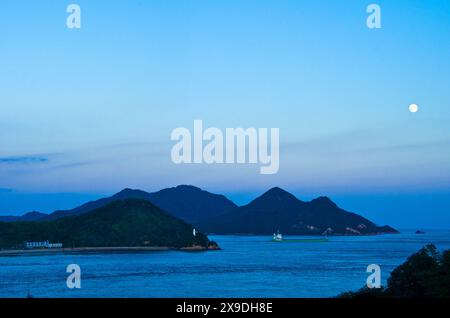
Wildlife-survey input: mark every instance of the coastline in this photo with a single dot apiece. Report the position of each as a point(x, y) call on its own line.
point(307, 234)
point(105, 250)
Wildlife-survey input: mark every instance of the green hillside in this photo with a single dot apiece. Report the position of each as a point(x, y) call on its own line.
point(123, 223)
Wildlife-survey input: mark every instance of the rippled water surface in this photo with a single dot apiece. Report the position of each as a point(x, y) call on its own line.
point(247, 266)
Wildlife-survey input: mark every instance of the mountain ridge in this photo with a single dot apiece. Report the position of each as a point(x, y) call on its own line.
point(277, 209)
point(187, 202)
point(29, 216)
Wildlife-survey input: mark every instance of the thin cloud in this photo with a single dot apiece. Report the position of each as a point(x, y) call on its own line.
point(76, 164)
point(23, 160)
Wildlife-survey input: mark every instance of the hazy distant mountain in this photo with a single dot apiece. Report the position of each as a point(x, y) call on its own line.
point(191, 203)
point(186, 202)
point(91, 205)
point(279, 210)
point(122, 223)
point(9, 218)
point(30, 216)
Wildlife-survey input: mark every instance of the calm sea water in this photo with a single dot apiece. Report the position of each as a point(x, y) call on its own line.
point(248, 266)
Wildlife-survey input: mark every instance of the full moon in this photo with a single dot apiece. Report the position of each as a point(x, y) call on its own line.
point(413, 108)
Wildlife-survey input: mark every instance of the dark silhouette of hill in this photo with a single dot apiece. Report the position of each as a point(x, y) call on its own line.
point(189, 203)
point(30, 216)
point(274, 210)
point(122, 223)
point(279, 210)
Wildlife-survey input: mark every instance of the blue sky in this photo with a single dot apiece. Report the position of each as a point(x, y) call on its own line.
point(84, 113)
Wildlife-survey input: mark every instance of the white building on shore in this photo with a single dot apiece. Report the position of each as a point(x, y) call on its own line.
point(42, 244)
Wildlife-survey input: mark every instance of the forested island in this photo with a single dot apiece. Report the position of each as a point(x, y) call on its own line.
point(133, 223)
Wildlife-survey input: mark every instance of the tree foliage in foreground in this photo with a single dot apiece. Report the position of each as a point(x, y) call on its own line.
point(425, 274)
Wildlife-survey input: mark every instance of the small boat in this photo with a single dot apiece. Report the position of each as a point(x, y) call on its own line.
point(277, 237)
